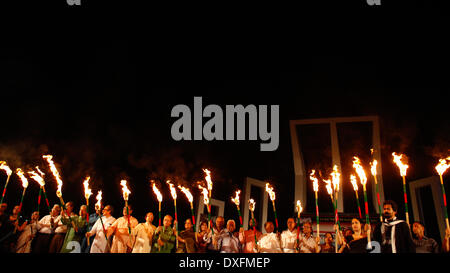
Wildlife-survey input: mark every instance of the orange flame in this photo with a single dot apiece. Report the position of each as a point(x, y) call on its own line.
point(55, 173)
point(299, 207)
point(37, 178)
point(236, 199)
point(40, 172)
point(373, 167)
point(270, 191)
point(314, 179)
point(328, 187)
point(187, 193)
point(22, 177)
point(398, 160)
point(205, 194)
point(157, 192)
point(125, 190)
point(251, 204)
point(208, 178)
point(173, 190)
point(353, 180)
point(335, 175)
point(87, 191)
point(5, 167)
point(359, 170)
point(98, 205)
point(443, 165)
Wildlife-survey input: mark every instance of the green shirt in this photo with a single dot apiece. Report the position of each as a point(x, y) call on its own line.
point(168, 237)
point(71, 235)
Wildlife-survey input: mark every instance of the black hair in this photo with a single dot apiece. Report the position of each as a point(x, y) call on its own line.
point(392, 203)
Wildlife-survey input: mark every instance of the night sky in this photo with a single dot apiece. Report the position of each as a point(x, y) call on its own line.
point(98, 98)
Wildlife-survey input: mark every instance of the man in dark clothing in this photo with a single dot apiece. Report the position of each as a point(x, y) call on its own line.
point(393, 235)
point(423, 244)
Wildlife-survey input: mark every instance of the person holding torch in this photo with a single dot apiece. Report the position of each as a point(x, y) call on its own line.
point(100, 243)
point(122, 227)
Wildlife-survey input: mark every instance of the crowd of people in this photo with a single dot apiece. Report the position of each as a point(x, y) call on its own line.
point(64, 231)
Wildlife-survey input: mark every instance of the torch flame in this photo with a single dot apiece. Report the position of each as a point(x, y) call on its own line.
point(187, 193)
point(55, 173)
point(5, 167)
point(251, 204)
point(40, 172)
point(315, 181)
point(98, 205)
point(353, 180)
point(236, 199)
point(208, 178)
point(173, 190)
point(328, 187)
point(205, 194)
point(270, 191)
point(398, 160)
point(22, 177)
point(37, 178)
point(335, 175)
point(373, 167)
point(299, 207)
point(359, 170)
point(157, 192)
point(443, 165)
point(125, 189)
point(87, 191)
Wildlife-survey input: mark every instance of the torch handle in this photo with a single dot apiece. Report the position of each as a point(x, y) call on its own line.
point(39, 198)
point(378, 199)
point(406, 200)
point(359, 207)
point(275, 213)
point(366, 205)
point(4, 189)
point(240, 216)
point(317, 214)
point(254, 229)
point(128, 217)
point(445, 200)
point(159, 214)
point(104, 230)
point(46, 200)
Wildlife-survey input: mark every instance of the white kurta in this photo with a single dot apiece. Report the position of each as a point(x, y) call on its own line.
point(122, 239)
point(24, 240)
point(99, 244)
point(288, 239)
point(269, 243)
point(143, 235)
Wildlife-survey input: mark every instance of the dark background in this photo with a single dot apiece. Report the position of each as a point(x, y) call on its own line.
point(95, 88)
